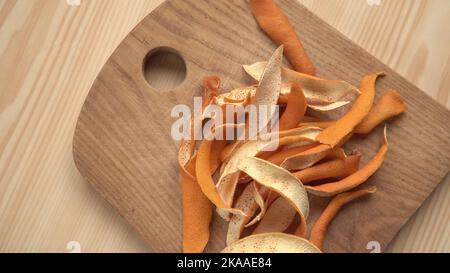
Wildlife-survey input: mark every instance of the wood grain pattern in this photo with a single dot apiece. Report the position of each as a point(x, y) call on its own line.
point(123, 143)
point(50, 58)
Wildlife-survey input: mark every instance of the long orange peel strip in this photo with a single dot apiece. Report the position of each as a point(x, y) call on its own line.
point(360, 109)
point(203, 174)
point(266, 93)
point(317, 91)
point(197, 209)
point(260, 193)
point(330, 169)
point(389, 105)
point(246, 202)
point(269, 86)
point(355, 179)
point(204, 178)
point(197, 215)
point(271, 243)
point(281, 181)
point(276, 25)
point(295, 110)
point(320, 227)
point(268, 90)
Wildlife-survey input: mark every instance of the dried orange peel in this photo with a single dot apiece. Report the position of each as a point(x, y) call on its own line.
point(197, 214)
point(269, 87)
point(330, 169)
point(211, 86)
point(271, 243)
point(260, 193)
point(197, 209)
point(202, 167)
point(389, 105)
point(277, 26)
point(355, 179)
point(243, 96)
point(295, 110)
point(360, 109)
point(248, 204)
point(317, 91)
point(320, 227)
point(277, 170)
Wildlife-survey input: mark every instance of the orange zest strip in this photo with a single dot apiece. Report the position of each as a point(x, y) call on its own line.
point(355, 179)
point(295, 109)
point(197, 215)
point(329, 169)
point(216, 152)
point(320, 228)
point(204, 178)
point(389, 105)
point(276, 25)
point(259, 198)
point(197, 209)
point(345, 125)
point(245, 202)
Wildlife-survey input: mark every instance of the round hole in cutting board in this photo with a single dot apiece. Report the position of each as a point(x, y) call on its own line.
point(164, 69)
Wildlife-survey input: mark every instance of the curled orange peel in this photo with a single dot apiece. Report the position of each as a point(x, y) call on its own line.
point(355, 179)
point(360, 109)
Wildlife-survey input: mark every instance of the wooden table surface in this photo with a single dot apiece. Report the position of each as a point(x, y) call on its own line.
point(52, 50)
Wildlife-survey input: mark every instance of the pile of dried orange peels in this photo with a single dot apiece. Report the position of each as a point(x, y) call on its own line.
point(319, 117)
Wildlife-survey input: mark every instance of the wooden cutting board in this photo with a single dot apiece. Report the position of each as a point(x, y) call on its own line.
point(123, 147)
